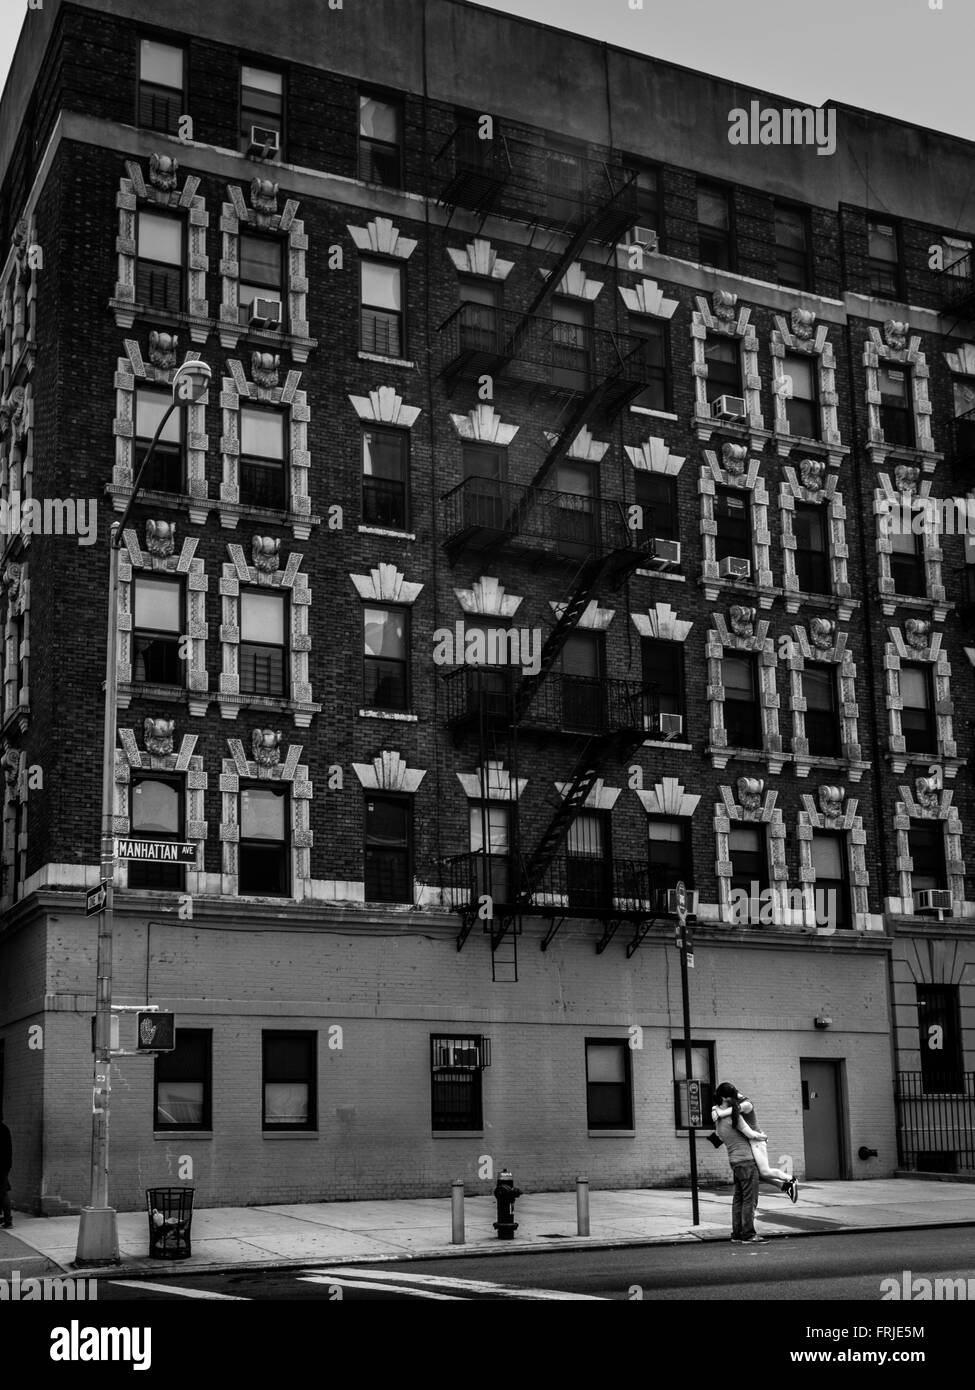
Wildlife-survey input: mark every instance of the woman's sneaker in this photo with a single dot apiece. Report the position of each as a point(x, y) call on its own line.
point(793, 1189)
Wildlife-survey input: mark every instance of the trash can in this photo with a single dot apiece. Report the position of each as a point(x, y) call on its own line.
point(170, 1211)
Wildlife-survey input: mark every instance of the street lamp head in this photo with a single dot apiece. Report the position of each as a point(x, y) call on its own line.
point(190, 382)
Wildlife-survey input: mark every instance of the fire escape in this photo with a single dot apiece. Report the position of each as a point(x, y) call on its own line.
point(956, 294)
point(592, 375)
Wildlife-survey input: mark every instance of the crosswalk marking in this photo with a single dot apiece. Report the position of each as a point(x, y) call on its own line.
point(173, 1290)
point(359, 1283)
point(441, 1281)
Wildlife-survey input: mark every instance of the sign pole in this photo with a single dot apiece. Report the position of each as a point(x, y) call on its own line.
point(681, 896)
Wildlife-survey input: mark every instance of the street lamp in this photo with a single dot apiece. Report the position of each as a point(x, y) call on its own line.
point(98, 1232)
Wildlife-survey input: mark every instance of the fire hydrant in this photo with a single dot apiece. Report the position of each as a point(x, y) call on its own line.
point(506, 1194)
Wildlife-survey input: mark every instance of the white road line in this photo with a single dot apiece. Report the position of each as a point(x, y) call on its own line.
point(358, 1283)
point(175, 1292)
point(469, 1285)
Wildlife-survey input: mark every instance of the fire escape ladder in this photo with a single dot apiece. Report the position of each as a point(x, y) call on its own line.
point(583, 778)
point(586, 581)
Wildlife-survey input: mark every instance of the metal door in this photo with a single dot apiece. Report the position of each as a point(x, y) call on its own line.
point(821, 1131)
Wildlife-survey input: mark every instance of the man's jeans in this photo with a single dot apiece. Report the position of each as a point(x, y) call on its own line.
point(745, 1200)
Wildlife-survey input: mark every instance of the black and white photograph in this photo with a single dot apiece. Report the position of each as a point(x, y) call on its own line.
point(487, 676)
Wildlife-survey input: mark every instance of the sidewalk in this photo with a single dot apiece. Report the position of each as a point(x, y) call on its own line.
point(367, 1232)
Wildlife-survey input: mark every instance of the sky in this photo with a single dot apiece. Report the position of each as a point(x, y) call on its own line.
point(899, 57)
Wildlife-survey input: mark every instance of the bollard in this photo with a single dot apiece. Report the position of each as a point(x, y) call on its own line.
point(457, 1212)
point(582, 1205)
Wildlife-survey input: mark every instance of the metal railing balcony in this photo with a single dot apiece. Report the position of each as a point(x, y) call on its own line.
point(472, 172)
point(576, 192)
point(484, 513)
point(956, 287)
point(571, 886)
point(546, 353)
point(560, 703)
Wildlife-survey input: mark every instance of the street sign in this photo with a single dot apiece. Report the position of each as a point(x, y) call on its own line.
point(690, 960)
point(156, 851)
point(694, 1104)
point(680, 899)
point(155, 1032)
point(95, 899)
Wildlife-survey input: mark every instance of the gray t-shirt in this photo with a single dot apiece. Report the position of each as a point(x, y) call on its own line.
point(739, 1149)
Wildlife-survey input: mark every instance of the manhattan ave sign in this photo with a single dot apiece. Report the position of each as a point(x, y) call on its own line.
point(156, 851)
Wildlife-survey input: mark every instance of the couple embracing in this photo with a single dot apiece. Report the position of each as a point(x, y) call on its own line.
point(736, 1125)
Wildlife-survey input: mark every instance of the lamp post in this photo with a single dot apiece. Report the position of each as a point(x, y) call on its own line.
point(98, 1232)
point(691, 1118)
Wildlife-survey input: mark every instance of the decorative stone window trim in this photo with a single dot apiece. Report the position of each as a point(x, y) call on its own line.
point(745, 635)
point(389, 772)
point(727, 320)
point(575, 283)
point(592, 617)
point(917, 644)
point(928, 800)
point(266, 767)
point(15, 793)
point(385, 584)
point(17, 463)
point(584, 446)
point(480, 258)
point(803, 337)
point(381, 238)
point(160, 558)
point(810, 485)
point(756, 806)
point(600, 798)
point(661, 622)
point(159, 756)
point(159, 371)
point(668, 797)
point(491, 782)
point(16, 695)
point(646, 297)
point(384, 406)
point(822, 643)
point(18, 306)
point(895, 347)
point(263, 216)
point(236, 389)
point(892, 499)
point(730, 472)
point(162, 193)
point(962, 361)
point(487, 598)
point(263, 573)
point(483, 425)
point(836, 814)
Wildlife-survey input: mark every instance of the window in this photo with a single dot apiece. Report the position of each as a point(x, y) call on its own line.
point(653, 350)
point(812, 552)
point(563, 182)
point(183, 1094)
point(802, 404)
point(883, 261)
point(583, 690)
point(670, 853)
point(263, 472)
point(896, 406)
point(663, 676)
point(822, 714)
point(20, 655)
point(589, 864)
point(484, 499)
point(963, 393)
point(388, 856)
point(792, 248)
point(714, 227)
point(263, 650)
point(386, 659)
point(749, 862)
point(571, 344)
point(577, 484)
point(261, 267)
point(157, 630)
point(165, 472)
point(264, 865)
point(649, 206)
point(742, 719)
point(380, 141)
point(907, 561)
point(723, 359)
point(156, 813)
point(385, 478)
point(656, 493)
point(159, 262)
point(917, 714)
point(702, 1069)
point(289, 1080)
point(732, 514)
point(939, 1036)
point(480, 320)
point(20, 854)
point(455, 1082)
point(832, 880)
point(382, 323)
point(161, 85)
point(490, 834)
point(609, 1086)
point(926, 847)
point(261, 104)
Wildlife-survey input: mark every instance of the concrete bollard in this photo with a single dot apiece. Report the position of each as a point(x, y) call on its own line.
point(582, 1205)
point(457, 1212)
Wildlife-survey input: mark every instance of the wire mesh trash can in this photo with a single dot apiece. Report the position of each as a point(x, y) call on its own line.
point(170, 1212)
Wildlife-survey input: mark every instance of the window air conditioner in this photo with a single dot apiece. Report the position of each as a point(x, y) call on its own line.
point(665, 552)
point(266, 313)
point(933, 900)
point(733, 567)
point(669, 725)
point(265, 142)
point(642, 236)
point(728, 408)
point(668, 902)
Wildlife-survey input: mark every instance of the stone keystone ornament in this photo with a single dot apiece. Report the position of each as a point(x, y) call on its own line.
point(831, 801)
point(803, 324)
point(264, 552)
point(163, 170)
point(733, 459)
point(266, 744)
point(161, 538)
point(811, 473)
point(264, 196)
point(750, 793)
point(742, 620)
point(265, 368)
point(916, 630)
point(821, 632)
point(158, 735)
point(162, 349)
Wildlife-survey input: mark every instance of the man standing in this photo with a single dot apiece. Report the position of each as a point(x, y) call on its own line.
point(6, 1163)
point(743, 1166)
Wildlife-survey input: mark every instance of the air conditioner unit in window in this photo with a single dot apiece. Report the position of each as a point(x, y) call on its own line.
point(665, 552)
point(667, 901)
point(734, 567)
point(265, 142)
point(933, 900)
point(642, 236)
point(728, 408)
point(266, 313)
point(668, 725)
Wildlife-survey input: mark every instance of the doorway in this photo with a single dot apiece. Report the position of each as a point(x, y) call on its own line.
point(822, 1129)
